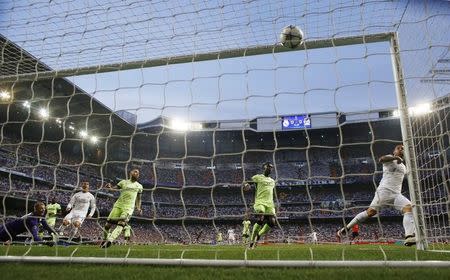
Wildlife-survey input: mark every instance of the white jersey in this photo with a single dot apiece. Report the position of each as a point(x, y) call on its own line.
point(313, 235)
point(230, 233)
point(81, 201)
point(393, 174)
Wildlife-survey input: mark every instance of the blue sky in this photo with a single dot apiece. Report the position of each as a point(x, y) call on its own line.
point(243, 88)
point(73, 34)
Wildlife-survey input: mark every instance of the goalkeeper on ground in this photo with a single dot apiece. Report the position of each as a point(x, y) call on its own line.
point(29, 223)
point(264, 206)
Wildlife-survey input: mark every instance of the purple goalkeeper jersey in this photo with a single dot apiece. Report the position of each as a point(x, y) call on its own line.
point(28, 223)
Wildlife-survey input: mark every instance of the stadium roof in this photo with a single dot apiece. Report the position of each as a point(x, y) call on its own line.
point(64, 100)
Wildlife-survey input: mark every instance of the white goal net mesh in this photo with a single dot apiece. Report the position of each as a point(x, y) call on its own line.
point(176, 90)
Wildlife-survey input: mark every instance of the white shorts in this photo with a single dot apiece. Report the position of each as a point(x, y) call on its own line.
point(75, 216)
point(231, 238)
point(388, 198)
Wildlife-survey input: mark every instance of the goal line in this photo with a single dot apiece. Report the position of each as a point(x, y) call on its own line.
point(222, 263)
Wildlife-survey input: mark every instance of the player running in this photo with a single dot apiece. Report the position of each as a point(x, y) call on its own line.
point(355, 233)
point(264, 206)
point(129, 199)
point(389, 193)
point(127, 231)
point(219, 238)
point(53, 210)
point(78, 210)
point(246, 231)
point(313, 236)
point(231, 236)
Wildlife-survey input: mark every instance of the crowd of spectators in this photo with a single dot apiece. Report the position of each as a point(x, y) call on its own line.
point(146, 232)
point(316, 190)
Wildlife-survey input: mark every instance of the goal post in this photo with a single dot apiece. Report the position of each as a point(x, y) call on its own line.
point(408, 142)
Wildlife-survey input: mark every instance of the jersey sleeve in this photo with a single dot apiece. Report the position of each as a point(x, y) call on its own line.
point(256, 178)
point(389, 162)
point(141, 188)
point(72, 201)
point(32, 227)
point(92, 205)
point(390, 165)
point(121, 184)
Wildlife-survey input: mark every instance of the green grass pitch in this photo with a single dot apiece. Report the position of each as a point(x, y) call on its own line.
point(263, 252)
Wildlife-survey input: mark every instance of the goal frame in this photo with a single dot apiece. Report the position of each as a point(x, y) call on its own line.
point(406, 129)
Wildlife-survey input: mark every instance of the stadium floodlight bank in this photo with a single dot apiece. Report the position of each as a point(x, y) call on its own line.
point(425, 139)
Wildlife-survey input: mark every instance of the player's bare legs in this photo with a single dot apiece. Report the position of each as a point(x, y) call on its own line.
point(65, 224)
point(359, 218)
point(255, 231)
point(261, 227)
point(75, 227)
point(106, 232)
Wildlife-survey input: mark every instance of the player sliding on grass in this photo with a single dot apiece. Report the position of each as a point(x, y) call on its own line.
point(130, 197)
point(389, 193)
point(27, 224)
point(264, 206)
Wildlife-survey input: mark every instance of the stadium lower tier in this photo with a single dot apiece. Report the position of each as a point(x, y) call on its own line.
point(17, 205)
point(205, 232)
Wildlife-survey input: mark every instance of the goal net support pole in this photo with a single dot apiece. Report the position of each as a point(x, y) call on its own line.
point(409, 151)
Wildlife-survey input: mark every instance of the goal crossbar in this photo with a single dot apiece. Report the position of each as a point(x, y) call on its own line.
point(231, 53)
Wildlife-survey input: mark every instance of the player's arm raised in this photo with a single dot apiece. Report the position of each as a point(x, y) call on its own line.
point(112, 187)
point(247, 185)
point(252, 182)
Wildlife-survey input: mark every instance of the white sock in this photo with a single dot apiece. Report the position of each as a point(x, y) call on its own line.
point(408, 224)
point(73, 232)
point(62, 228)
point(361, 217)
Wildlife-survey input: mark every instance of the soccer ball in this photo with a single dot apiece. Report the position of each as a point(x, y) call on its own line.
point(291, 37)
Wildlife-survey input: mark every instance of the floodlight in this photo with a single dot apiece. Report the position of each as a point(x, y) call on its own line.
point(43, 113)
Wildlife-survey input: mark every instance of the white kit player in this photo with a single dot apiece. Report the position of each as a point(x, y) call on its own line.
point(313, 237)
point(78, 209)
point(388, 193)
point(231, 236)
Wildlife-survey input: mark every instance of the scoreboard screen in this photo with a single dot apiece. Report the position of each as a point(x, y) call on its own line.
point(296, 122)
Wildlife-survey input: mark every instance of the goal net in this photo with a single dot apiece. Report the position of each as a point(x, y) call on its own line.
point(198, 97)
